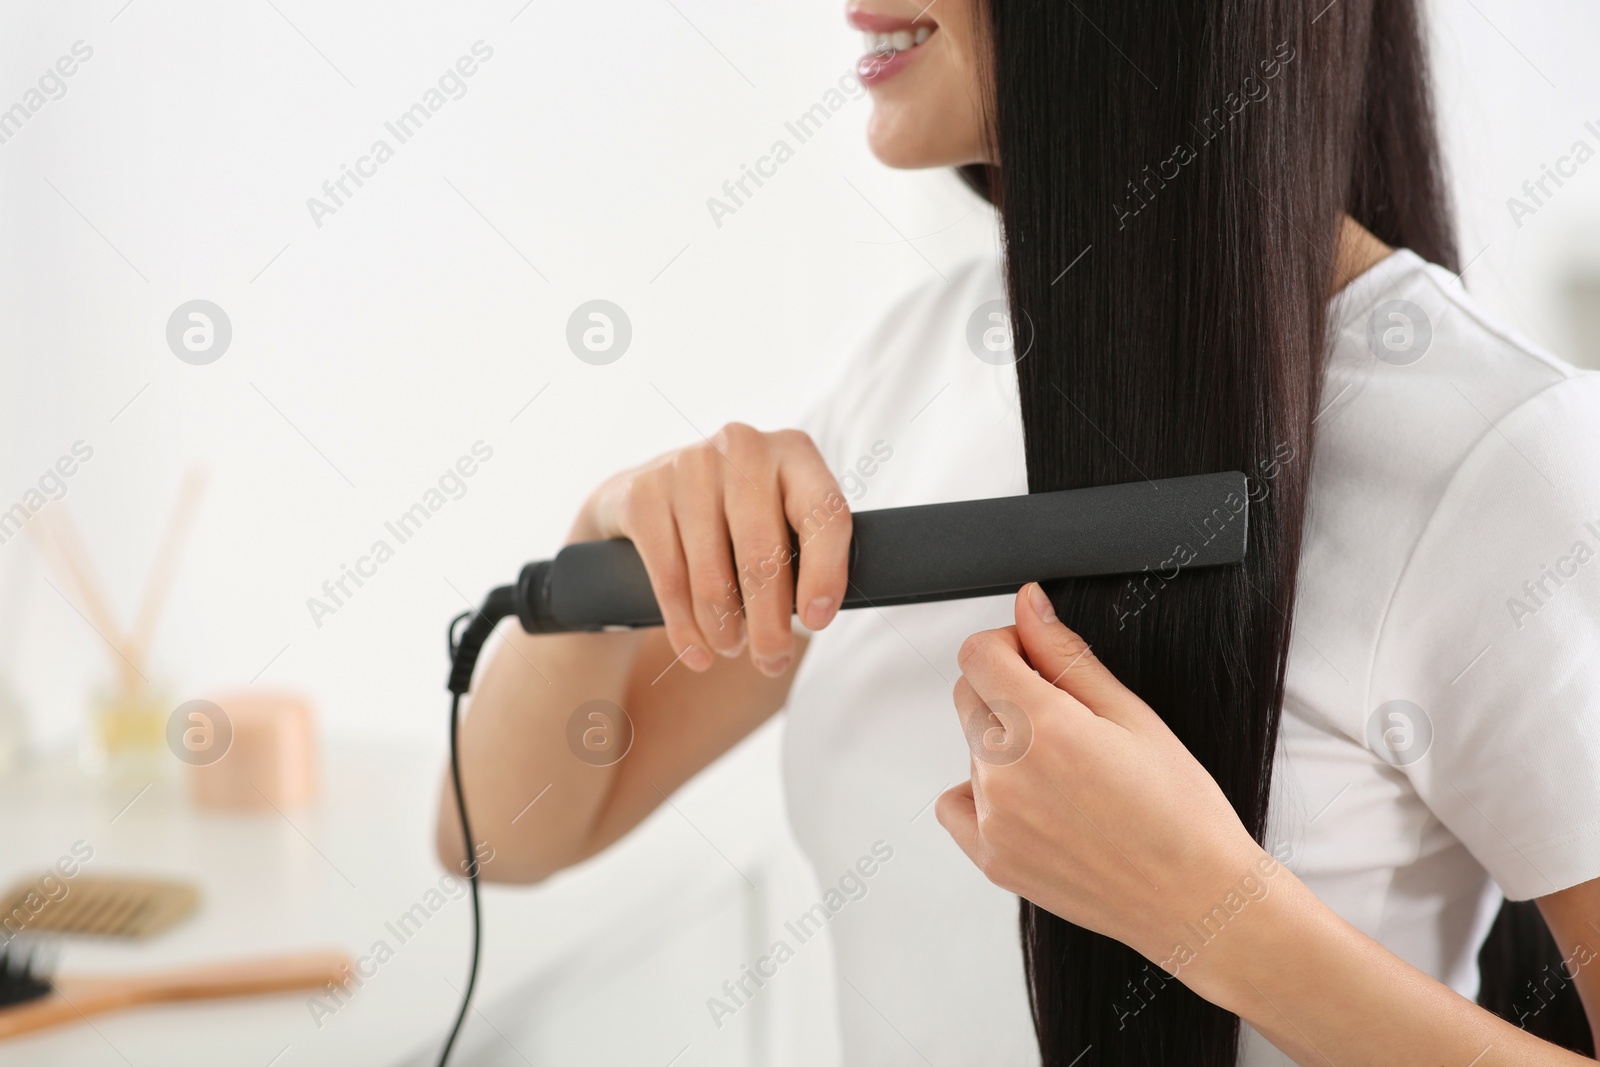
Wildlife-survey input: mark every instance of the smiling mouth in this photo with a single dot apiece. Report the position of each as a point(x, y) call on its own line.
point(885, 45)
point(892, 43)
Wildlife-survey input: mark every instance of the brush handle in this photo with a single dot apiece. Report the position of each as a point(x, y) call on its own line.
point(77, 998)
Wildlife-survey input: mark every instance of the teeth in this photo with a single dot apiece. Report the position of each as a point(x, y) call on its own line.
point(888, 44)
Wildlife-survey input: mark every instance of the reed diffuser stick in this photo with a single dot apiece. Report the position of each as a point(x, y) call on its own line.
point(160, 581)
point(63, 549)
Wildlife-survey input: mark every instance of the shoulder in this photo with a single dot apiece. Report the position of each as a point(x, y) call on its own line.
point(1517, 521)
point(1408, 331)
point(1535, 463)
point(1490, 638)
point(1450, 455)
point(1421, 389)
point(1484, 426)
point(1479, 449)
point(1492, 645)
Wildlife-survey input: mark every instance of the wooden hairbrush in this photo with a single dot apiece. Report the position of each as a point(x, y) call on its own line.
point(30, 999)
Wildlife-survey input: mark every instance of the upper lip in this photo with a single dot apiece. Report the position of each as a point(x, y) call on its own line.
point(876, 22)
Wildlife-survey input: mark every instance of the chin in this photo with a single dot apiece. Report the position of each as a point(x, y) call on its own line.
point(905, 142)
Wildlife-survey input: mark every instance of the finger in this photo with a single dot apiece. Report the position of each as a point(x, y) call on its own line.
point(703, 529)
point(649, 524)
point(994, 665)
point(1066, 661)
point(957, 811)
point(761, 548)
point(998, 734)
point(817, 512)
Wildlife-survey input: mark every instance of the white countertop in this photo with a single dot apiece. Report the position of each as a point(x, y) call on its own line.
point(646, 931)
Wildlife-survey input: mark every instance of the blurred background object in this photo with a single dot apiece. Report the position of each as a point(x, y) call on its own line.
point(128, 717)
point(106, 907)
point(252, 749)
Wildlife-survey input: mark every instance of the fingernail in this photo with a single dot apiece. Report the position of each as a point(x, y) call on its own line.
point(818, 611)
point(773, 666)
point(696, 658)
point(1041, 603)
point(737, 647)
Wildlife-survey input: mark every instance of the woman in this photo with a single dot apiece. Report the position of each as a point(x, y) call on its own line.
point(1288, 793)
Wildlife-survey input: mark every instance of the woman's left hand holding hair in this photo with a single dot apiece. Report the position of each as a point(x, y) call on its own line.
point(1081, 799)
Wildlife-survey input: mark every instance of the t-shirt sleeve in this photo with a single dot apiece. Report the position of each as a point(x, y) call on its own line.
point(1485, 688)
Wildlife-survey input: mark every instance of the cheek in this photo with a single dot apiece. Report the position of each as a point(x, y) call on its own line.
point(928, 116)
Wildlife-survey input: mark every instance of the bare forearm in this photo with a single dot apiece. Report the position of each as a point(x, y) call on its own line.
point(529, 799)
point(711, 524)
point(1323, 992)
point(539, 791)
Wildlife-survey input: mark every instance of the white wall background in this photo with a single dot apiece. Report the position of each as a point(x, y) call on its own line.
point(369, 353)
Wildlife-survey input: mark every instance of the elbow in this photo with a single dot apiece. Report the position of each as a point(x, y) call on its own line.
point(447, 844)
point(523, 874)
point(495, 863)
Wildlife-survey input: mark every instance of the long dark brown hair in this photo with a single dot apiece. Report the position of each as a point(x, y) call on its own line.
point(1171, 181)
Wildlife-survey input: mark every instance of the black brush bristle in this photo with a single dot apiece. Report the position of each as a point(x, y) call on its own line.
point(22, 974)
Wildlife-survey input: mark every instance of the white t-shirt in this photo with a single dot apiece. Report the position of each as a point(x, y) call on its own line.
point(1440, 738)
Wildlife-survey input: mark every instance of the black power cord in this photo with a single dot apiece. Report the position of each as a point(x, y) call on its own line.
point(464, 653)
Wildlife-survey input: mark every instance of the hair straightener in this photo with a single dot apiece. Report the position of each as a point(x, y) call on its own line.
point(897, 556)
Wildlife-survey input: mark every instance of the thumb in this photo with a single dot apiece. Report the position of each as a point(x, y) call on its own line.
point(1065, 660)
point(957, 811)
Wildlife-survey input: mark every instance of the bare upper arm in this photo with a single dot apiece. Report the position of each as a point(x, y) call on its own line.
point(682, 721)
point(1573, 916)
